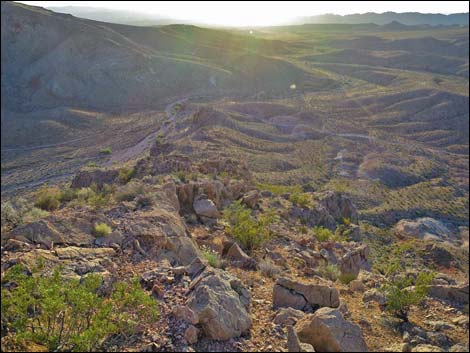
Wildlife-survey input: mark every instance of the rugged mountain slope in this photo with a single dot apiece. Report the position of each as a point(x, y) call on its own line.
point(261, 187)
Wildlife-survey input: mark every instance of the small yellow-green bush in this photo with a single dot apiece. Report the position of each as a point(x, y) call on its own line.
point(101, 230)
point(300, 198)
point(126, 174)
point(322, 234)
point(212, 257)
point(249, 231)
point(106, 150)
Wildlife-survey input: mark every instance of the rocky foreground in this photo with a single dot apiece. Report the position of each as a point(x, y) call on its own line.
point(295, 292)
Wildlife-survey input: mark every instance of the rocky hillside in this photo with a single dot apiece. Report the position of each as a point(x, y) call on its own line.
point(177, 188)
point(235, 266)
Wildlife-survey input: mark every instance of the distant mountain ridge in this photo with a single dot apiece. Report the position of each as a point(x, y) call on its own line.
point(142, 19)
point(406, 18)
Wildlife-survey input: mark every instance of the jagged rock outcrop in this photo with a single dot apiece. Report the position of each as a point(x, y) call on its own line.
point(53, 230)
point(327, 331)
point(329, 209)
point(353, 261)
point(288, 293)
point(221, 303)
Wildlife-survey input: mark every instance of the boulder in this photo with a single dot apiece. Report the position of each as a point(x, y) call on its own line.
point(251, 198)
point(239, 258)
point(294, 344)
point(206, 208)
point(357, 286)
point(190, 335)
point(48, 232)
point(374, 295)
point(426, 348)
point(76, 253)
point(185, 313)
point(353, 261)
point(221, 303)
point(288, 293)
point(327, 331)
point(452, 293)
point(425, 228)
point(288, 316)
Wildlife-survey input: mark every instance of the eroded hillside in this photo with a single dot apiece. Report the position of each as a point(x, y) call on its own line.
point(177, 188)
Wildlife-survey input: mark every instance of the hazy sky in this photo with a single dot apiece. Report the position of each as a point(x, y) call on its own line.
point(261, 12)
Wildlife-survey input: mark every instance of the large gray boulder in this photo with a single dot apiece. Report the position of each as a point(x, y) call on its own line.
point(327, 331)
point(425, 228)
point(206, 208)
point(289, 293)
point(221, 303)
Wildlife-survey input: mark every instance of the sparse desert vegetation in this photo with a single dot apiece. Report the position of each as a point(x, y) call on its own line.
point(171, 187)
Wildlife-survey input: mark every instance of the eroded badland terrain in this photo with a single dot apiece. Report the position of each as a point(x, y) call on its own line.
point(285, 189)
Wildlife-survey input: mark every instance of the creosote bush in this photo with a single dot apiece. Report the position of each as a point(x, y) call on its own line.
point(19, 211)
point(322, 234)
point(106, 150)
point(249, 231)
point(64, 314)
point(403, 292)
point(126, 174)
point(101, 230)
point(48, 198)
point(300, 198)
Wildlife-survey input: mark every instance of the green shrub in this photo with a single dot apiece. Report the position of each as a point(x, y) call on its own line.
point(19, 211)
point(250, 232)
point(106, 150)
point(212, 258)
point(65, 314)
point(101, 230)
point(34, 214)
point(68, 194)
point(323, 234)
point(400, 294)
point(48, 198)
point(301, 199)
point(10, 216)
point(126, 174)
